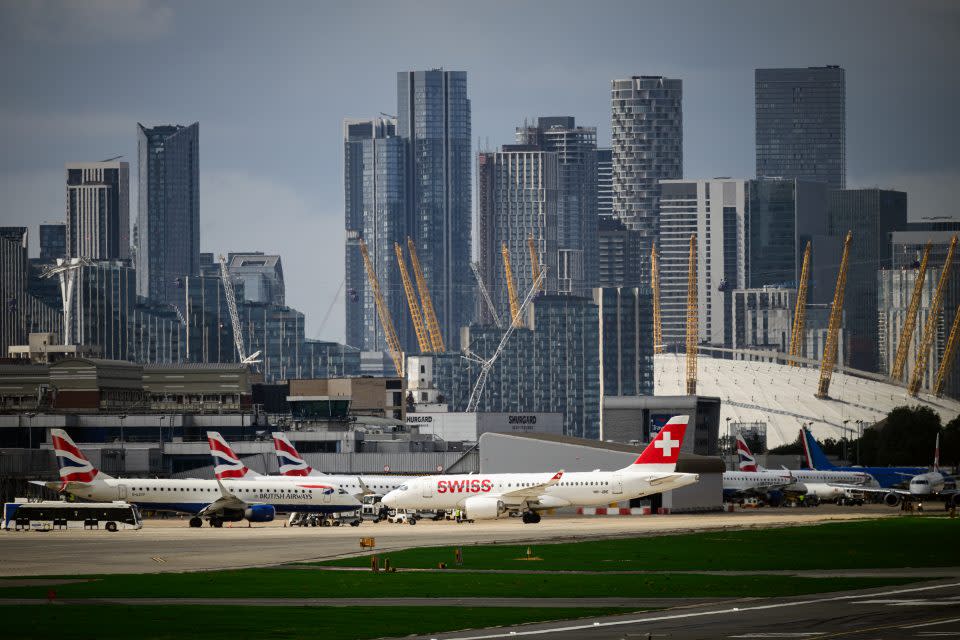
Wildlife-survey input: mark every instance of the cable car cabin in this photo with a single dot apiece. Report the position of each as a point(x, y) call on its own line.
point(54, 515)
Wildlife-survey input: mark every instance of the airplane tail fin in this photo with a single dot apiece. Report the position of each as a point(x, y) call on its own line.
point(74, 466)
point(664, 450)
point(816, 459)
point(289, 460)
point(747, 461)
point(226, 463)
point(936, 455)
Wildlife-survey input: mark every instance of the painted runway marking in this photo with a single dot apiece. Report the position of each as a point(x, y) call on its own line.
point(700, 614)
point(913, 602)
point(932, 624)
point(798, 634)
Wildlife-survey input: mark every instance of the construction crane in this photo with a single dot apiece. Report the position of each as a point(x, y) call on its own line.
point(923, 352)
point(692, 318)
point(385, 321)
point(66, 270)
point(910, 322)
point(800, 313)
point(486, 365)
point(234, 316)
point(436, 338)
point(486, 294)
point(511, 288)
point(833, 328)
point(655, 285)
point(946, 362)
point(422, 339)
point(534, 259)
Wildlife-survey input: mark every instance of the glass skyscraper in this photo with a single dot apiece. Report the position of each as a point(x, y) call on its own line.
point(98, 210)
point(801, 124)
point(168, 209)
point(433, 117)
point(626, 340)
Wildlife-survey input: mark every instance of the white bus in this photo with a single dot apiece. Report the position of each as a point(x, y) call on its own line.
point(54, 515)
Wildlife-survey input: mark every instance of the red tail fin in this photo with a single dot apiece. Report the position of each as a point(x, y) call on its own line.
point(664, 450)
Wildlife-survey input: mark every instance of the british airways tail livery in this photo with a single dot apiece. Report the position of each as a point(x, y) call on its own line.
point(226, 463)
point(491, 496)
point(289, 460)
point(74, 466)
point(747, 461)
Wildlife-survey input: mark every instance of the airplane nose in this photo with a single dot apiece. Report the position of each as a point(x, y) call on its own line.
point(390, 499)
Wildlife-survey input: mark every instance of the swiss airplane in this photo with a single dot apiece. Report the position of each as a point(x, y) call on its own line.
point(490, 496)
point(219, 501)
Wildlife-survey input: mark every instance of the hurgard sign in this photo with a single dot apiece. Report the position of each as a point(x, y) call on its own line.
point(522, 422)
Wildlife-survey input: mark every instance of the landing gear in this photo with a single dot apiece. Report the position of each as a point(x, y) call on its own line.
point(216, 522)
point(531, 517)
point(196, 522)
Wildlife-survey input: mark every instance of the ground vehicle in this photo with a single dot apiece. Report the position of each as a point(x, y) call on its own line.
point(46, 516)
point(372, 508)
point(351, 518)
point(402, 516)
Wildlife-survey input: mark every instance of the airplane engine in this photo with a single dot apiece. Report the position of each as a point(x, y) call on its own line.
point(259, 513)
point(891, 499)
point(482, 508)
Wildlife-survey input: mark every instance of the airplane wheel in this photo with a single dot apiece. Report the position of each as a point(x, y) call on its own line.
point(531, 517)
point(216, 523)
point(195, 522)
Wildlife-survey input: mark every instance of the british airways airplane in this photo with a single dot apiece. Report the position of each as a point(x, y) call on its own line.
point(221, 500)
point(490, 496)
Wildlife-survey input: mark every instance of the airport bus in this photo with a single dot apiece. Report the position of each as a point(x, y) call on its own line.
point(54, 515)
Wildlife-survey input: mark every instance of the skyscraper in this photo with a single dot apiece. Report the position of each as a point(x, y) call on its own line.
point(605, 183)
point(576, 151)
point(168, 209)
point(433, 117)
point(98, 210)
point(620, 255)
point(53, 240)
point(801, 124)
point(647, 128)
point(375, 204)
point(518, 199)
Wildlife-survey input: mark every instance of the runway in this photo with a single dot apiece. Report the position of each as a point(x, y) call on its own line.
point(169, 545)
point(922, 611)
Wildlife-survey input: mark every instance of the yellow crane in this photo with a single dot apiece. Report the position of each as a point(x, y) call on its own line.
point(910, 322)
point(534, 259)
point(655, 285)
point(436, 338)
point(947, 361)
point(511, 288)
point(800, 313)
point(422, 339)
point(692, 318)
point(389, 332)
point(923, 352)
point(833, 328)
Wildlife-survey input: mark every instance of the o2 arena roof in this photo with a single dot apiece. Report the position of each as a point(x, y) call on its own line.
point(783, 397)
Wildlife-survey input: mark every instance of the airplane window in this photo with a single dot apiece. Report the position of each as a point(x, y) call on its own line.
point(403, 488)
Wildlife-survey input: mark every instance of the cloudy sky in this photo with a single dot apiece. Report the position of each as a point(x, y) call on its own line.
point(270, 83)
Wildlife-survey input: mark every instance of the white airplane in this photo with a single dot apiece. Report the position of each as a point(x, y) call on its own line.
point(824, 484)
point(219, 501)
point(748, 480)
point(932, 485)
point(490, 496)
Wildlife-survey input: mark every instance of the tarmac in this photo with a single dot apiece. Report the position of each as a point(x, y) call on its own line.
point(169, 545)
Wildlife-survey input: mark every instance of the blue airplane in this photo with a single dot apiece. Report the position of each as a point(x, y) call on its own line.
point(885, 476)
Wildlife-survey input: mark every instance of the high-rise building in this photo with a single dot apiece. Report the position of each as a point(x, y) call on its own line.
point(433, 117)
point(168, 209)
point(577, 185)
point(801, 124)
point(647, 128)
point(517, 200)
point(23, 313)
point(715, 211)
point(605, 183)
point(98, 210)
point(375, 205)
point(626, 340)
point(53, 241)
point(261, 276)
point(871, 215)
point(277, 332)
point(620, 255)
point(762, 320)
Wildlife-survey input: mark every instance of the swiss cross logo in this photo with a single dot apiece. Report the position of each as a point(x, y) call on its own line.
point(666, 444)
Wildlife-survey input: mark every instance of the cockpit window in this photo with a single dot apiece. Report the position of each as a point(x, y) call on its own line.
point(402, 487)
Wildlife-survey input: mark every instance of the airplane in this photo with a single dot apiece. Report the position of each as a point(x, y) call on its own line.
point(749, 480)
point(824, 484)
point(219, 501)
point(885, 476)
point(491, 496)
point(930, 485)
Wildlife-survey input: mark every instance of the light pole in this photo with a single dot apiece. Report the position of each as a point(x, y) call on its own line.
point(30, 429)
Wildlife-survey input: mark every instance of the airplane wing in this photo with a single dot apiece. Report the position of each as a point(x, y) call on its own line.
point(860, 487)
point(535, 490)
point(227, 500)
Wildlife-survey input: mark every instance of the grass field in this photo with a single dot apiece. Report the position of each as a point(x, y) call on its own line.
point(297, 583)
point(103, 622)
point(862, 544)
